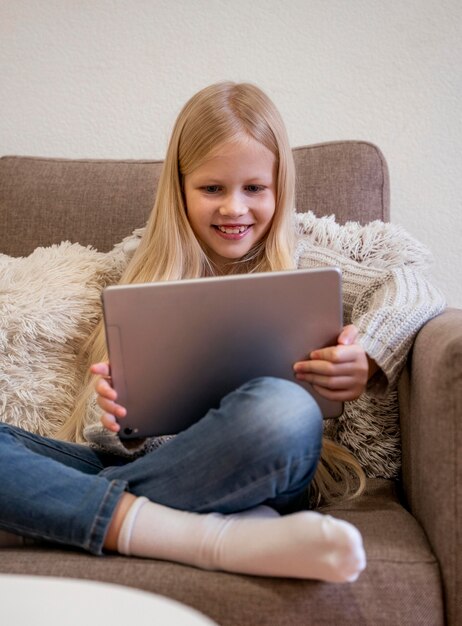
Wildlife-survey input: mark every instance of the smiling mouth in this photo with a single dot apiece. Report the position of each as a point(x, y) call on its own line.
point(232, 230)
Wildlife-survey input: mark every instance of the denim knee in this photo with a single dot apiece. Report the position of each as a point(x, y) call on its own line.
point(280, 414)
point(7, 429)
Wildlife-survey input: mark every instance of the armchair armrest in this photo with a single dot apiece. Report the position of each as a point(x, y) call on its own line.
point(430, 393)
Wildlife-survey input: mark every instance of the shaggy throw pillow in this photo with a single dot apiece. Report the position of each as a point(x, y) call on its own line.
point(49, 303)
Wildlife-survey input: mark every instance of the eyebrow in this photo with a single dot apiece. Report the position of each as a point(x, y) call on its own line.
point(218, 181)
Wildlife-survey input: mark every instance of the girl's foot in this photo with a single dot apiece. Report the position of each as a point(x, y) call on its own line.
point(258, 542)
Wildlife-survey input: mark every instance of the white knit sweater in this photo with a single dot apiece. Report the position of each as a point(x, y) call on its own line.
point(386, 294)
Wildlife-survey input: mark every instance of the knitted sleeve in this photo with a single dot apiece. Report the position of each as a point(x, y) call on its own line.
point(389, 312)
point(386, 293)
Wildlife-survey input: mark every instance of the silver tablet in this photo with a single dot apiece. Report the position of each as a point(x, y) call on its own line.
point(177, 348)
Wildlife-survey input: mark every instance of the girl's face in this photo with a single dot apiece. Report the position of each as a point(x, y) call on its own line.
point(231, 199)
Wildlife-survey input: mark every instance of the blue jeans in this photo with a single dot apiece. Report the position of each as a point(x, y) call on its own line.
point(262, 445)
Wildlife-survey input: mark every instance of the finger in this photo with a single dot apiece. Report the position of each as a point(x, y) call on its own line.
point(108, 406)
point(348, 335)
point(326, 368)
point(103, 369)
point(328, 382)
point(338, 354)
point(337, 395)
point(109, 422)
point(103, 388)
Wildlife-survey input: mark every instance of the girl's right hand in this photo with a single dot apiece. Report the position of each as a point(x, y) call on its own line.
point(107, 397)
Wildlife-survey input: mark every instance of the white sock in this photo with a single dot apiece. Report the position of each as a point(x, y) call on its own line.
point(257, 542)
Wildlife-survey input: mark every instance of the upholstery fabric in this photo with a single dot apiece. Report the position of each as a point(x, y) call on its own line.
point(347, 178)
point(93, 202)
point(431, 426)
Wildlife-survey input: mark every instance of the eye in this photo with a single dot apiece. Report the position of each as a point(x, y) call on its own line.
point(211, 188)
point(255, 188)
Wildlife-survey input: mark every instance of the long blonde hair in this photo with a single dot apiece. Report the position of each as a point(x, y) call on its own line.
point(169, 250)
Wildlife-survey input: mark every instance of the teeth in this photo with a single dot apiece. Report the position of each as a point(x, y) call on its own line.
point(235, 230)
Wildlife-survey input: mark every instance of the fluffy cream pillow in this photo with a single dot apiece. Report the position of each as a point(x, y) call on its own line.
point(49, 303)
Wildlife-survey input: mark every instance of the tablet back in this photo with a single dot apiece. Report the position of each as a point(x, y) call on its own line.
point(176, 348)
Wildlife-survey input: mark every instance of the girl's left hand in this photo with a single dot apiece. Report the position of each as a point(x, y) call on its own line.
point(338, 372)
point(106, 397)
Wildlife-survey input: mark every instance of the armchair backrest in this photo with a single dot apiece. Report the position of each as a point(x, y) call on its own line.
point(99, 202)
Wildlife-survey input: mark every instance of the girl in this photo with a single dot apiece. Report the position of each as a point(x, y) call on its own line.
point(231, 492)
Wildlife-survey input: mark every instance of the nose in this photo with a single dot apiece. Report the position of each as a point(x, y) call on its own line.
point(233, 206)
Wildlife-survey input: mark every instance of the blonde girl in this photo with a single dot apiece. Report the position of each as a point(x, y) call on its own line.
point(231, 492)
point(170, 250)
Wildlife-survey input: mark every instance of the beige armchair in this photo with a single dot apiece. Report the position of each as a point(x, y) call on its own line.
point(412, 529)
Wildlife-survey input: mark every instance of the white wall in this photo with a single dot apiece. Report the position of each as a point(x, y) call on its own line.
point(106, 78)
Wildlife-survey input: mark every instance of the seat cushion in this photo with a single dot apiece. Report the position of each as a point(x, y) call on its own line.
point(401, 584)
